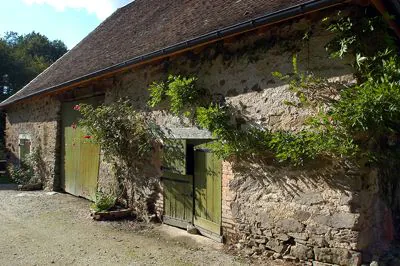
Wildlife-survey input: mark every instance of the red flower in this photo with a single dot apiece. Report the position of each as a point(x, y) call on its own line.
point(87, 137)
point(77, 107)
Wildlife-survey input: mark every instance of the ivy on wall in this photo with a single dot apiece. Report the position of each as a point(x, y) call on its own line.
point(347, 121)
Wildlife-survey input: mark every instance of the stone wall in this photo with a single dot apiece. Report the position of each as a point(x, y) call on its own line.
point(325, 213)
point(39, 119)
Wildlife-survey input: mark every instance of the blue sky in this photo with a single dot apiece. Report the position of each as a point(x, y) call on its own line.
point(66, 20)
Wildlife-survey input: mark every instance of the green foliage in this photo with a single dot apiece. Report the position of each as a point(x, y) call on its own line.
point(121, 132)
point(373, 106)
point(255, 141)
point(23, 57)
point(28, 170)
point(21, 174)
point(249, 141)
point(181, 92)
point(345, 116)
point(127, 139)
point(357, 37)
point(157, 93)
point(310, 90)
point(103, 202)
point(215, 118)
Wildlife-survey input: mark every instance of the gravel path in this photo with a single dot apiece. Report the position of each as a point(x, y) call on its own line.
point(47, 228)
point(38, 228)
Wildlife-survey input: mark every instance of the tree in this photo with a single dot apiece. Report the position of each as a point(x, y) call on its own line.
point(23, 57)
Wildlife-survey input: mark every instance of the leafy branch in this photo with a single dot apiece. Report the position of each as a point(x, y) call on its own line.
point(345, 115)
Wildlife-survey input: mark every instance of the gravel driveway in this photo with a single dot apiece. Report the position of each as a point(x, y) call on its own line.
point(39, 228)
point(47, 228)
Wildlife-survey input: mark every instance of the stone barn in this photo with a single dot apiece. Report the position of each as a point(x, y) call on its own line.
point(326, 212)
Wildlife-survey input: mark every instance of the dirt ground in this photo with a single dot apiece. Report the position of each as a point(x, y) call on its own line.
point(39, 228)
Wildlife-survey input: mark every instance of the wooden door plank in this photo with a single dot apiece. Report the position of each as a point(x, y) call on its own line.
point(208, 171)
point(217, 163)
point(177, 199)
point(80, 162)
point(89, 168)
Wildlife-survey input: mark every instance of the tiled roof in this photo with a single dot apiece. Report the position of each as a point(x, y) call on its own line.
point(142, 27)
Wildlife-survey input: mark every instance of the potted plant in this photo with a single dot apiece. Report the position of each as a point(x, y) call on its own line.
point(105, 208)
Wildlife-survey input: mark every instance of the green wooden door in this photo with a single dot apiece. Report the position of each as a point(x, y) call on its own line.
point(177, 185)
point(80, 157)
point(207, 188)
point(178, 199)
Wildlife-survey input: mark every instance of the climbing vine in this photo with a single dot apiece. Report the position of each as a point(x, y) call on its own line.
point(128, 139)
point(181, 93)
point(348, 120)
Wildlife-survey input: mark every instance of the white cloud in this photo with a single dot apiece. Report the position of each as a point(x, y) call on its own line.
point(102, 8)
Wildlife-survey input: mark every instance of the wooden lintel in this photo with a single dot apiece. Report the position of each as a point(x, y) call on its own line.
point(230, 40)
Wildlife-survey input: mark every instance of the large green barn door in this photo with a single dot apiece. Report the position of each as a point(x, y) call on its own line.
point(207, 186)
point(80, 157)
point(178, 186)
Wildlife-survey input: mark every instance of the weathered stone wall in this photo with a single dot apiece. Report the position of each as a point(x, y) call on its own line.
point(39, 119)
point(326, 213)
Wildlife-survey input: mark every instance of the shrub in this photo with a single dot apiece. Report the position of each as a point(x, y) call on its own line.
point(103, 202)
point(29, 169)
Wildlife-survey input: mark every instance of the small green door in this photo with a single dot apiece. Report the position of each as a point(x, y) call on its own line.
point(207, 188)
point(178, 186)
point(80, 157)
point(178, 199)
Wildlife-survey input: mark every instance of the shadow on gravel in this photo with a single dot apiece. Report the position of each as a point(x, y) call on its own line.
point(8, 186)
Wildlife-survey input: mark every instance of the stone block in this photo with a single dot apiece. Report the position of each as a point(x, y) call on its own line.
point(235, 209)
point(267, 233)
point(317, 229)
point(301, 215)
point(289, 225)
point(309, 199)
point(275, 245)
point(318, 241)
point(282, 237)
point(261, 241)
point(345, 200)
point(338, 220)
point(277, 255)
point(337, 256)
point(248, 251)
point(302, 252)
point(265, 219)
point(256, 250)
point(301, 236)
point(290, 258)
